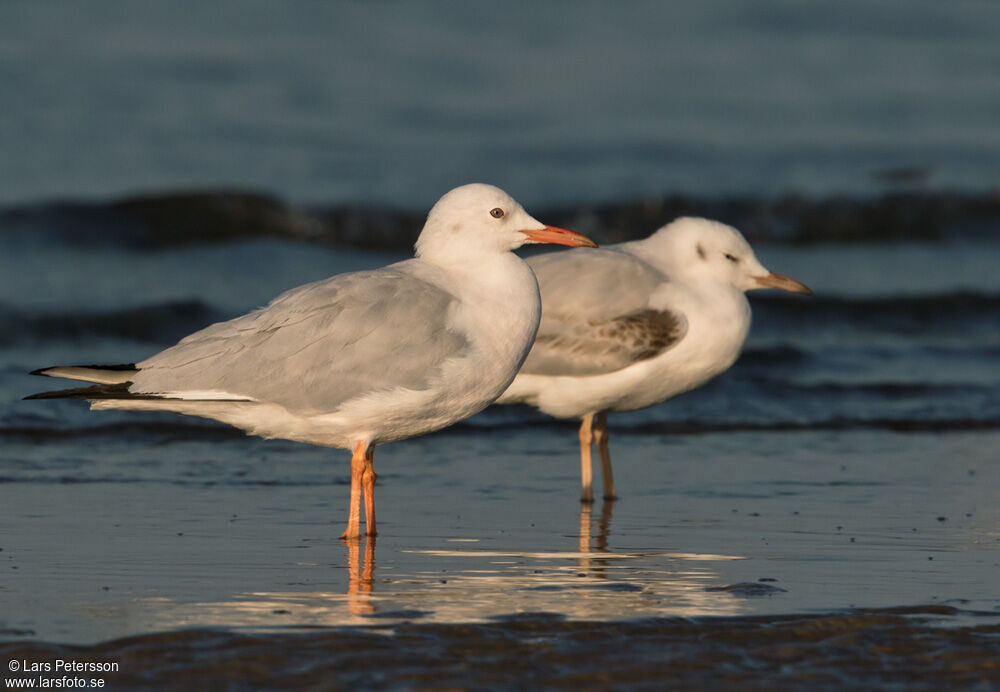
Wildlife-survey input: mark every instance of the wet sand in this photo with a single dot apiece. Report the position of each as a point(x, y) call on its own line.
point(913, 649)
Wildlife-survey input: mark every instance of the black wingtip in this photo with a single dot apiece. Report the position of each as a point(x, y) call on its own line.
point(123, 367)
point(97, 391)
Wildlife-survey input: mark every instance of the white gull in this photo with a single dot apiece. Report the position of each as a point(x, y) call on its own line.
point(631, 325)
point(364, 358)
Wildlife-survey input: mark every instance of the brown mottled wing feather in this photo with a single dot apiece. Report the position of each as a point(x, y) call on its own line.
point(569, 346)
point(596, 314)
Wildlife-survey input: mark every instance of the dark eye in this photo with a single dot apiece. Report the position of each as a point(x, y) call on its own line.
point(496, 213)
point(732, 258)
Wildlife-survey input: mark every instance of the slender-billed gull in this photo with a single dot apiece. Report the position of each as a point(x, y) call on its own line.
point(364, 358)
point(631, 325)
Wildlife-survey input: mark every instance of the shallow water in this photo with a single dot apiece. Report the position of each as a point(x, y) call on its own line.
point(725, 524)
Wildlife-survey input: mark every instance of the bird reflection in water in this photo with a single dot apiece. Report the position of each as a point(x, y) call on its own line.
point(360, 577)
point(361, 570)
point(600, 543)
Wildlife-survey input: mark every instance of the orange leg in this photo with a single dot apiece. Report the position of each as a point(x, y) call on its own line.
point(368, 479)
point(586, 470)
point(601, 438)
point(358, 462)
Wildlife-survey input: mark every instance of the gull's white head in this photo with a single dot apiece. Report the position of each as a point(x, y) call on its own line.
point(475, 219)
point(704, 249)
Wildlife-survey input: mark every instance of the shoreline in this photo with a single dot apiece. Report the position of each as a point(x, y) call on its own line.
point(920, 647)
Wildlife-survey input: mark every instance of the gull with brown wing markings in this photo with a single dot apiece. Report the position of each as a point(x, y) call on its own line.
point(631, 325)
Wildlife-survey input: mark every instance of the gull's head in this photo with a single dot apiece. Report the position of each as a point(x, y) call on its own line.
point(475, 219)
point(704, 249)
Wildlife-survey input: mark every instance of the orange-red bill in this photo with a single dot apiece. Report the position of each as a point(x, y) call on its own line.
point(559, 236)
point(784, 283)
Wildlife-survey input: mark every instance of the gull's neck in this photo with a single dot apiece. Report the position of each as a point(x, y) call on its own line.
point(489, 278)
point(499, 295)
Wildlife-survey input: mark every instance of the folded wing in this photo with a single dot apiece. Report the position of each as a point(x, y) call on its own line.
point(315, 347)
point(596, 314)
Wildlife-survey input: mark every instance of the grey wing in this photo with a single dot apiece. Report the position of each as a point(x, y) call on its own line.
point(596, 314)
point(600, 283)
point(317, 346)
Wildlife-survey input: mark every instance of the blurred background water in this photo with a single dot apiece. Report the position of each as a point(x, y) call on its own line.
point(166, 165)
point(396, 102)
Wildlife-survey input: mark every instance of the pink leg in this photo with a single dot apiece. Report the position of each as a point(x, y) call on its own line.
point(601, 438)
point(353, 530)
point(368, 479)
point(586, 471)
